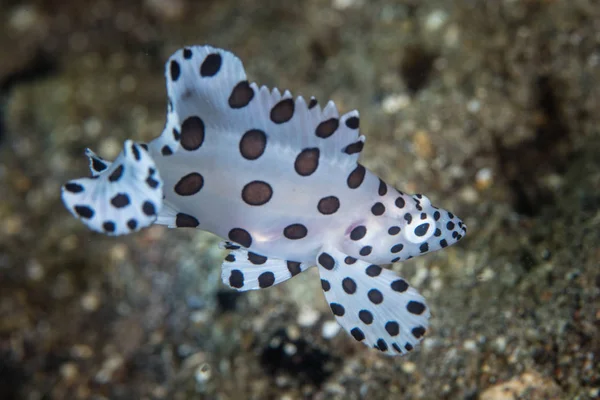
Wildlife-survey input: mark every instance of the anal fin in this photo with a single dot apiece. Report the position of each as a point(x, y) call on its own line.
point(244, 270)
point(373, 304)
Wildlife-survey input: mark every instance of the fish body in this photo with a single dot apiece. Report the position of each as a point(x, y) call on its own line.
point(278, 178)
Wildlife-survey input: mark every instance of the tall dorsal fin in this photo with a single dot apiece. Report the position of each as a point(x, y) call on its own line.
point(210, 94)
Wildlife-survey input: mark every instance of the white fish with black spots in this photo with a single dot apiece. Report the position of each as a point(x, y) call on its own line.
point(277, 177)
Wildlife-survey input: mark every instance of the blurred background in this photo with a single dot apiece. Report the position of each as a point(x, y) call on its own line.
point(491, 108)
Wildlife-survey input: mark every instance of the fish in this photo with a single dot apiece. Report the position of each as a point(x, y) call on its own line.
point(276, 177)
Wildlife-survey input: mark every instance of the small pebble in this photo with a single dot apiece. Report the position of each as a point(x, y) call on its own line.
point(90, 301)
point(81, 351)
point(307, 317)
point(394, 103)
point(422, 144)
point(290, 349)
point(330, 329)
point(408, 367)
point(470, 345)
point(484, 178)
point(435, 20)
point(69, 371)
point(203, 373)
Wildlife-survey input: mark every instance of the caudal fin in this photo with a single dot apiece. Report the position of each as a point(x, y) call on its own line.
point(119, 198)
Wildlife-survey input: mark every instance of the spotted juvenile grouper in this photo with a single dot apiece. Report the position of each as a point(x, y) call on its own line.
point(278, 178)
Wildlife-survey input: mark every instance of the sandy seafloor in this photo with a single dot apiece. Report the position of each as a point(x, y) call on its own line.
point(491, 108)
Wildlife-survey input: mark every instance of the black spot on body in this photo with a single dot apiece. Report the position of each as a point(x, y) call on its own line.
point(356, 177)
point(422, 229)
point(109, 226)
point(396, 347)
point(328, 205)
point(132, 224)
point(187, 54)
point(185, 221)
point(283, 111)
point(84, 211)
point(424, 247)
point(326, 261)
point(295, 231)
point(257, 193)
point(327, 128)
point(175, 70)
point(365, 316)
point(307, 161)
point(73, 187)
point(253, 144)
point(190, 184)
point(266, 279)
point(415, 307)
point(153, 183)
point(241, 95)
point(192, 133)
point(408, 346)
point(230, 258)
point(355, 147)
point(116, 174)
point(211, 65)
point(325, 285)
point(256, 259)
point(98, 165)
point(349, 260)
point(397, 248)
point(375, 296)
point(382, 345)
point(365, 251)
point(312, 103)
point(373, 270)
point(240, 236)
point(294, 267)
point(236, 279)
point(382, 190)
point(408, 218)
point(378, 209)
point(357, 334)
point(337, 309)
point(450, 225)
point(418, 332)
point(358, 233)
point(400, 203)
point(353, 122)
point(349, 285)
point(231, 246)
point(135, 152)
point(120, 200)
point(443, 243)
point(148, 208)
point(394, 230)
point(166, 151)
point(392, 328)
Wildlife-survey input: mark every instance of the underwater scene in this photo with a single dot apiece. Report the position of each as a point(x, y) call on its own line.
point(319, 199)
